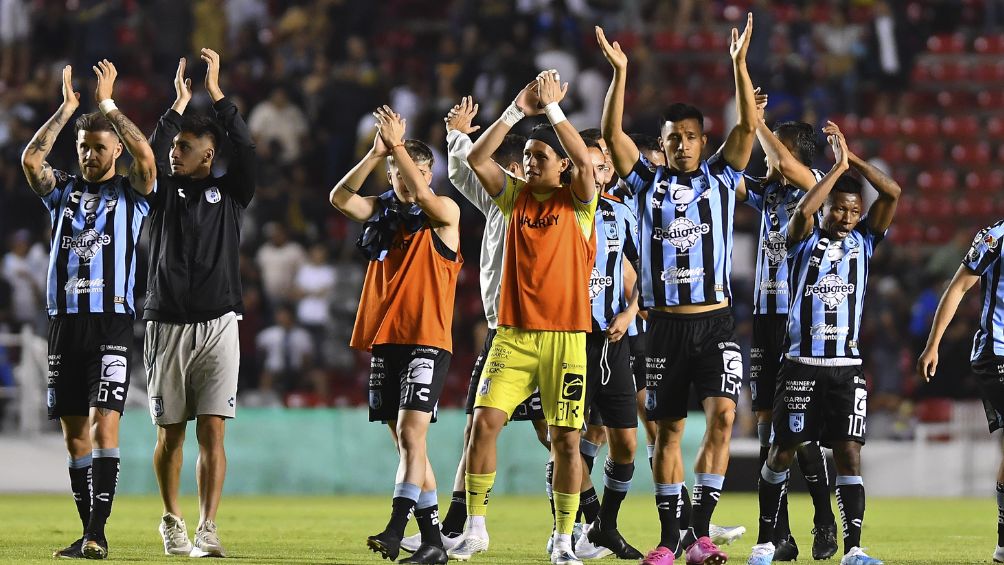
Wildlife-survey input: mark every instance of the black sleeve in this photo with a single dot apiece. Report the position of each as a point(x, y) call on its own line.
point(163, 136)
point(239, 181)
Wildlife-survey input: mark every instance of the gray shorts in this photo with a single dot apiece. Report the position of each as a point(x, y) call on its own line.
point(191, 369)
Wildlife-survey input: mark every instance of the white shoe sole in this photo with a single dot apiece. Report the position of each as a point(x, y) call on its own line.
point(474, 547)
point(198, 552)
point(411, 543)
point(729, 535)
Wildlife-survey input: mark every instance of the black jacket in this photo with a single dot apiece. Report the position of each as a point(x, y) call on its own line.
point(195, 228)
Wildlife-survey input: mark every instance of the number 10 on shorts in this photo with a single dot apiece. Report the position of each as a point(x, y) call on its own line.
point(856, 421)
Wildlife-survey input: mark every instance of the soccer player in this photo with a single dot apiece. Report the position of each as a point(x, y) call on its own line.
point(610, 387)
point(510, 157)
point(544, 304)
point(96, 219)
point(821, 392)
point(194, 297)
point(411, 238)
point(685, 214)
point(982, 263)
point(790, 150)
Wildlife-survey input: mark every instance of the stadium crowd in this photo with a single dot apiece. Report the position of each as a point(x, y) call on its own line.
point(306, 75)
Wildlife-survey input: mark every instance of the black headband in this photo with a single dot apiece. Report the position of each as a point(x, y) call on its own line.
point(547, 135)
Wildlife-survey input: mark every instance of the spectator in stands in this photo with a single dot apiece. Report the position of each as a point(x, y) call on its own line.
point(14, 27)
point(24, 269)
point(840, 44)
point(286, 351)
point(279, 120)
point(279, 259)
point(313, 289)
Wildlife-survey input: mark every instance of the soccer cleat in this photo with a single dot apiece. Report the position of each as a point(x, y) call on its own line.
point(857, 556)
point(470, 545)
point(427, 554)
point(94, 548)
point(725, 535)
point(412, 543)
point(207, 542)
point(585, 549)
point(705, 552)
point(577, 530)
point(564, 556)
point(786, 550)
point(612, 540)
point(998, 554)
point(386, 543)
point(72, 551)
point(824, 541)
point(549, 547)
point(175, 534)
point(659, 556)
point(762, 554)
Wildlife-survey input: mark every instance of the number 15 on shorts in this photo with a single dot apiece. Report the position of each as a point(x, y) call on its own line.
point(732, 372)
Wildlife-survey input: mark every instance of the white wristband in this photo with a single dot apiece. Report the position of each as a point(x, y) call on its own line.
point(107, 105)
point(512, 115)
point(554, 113)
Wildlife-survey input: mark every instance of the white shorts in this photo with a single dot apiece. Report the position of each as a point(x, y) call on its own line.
point(191, 369)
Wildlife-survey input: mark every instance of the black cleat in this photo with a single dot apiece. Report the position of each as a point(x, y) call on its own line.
point(427, 554)
point(824, 541)
point(786, 550)
point(614, 541)
point(96, 548)
point(386, 543)
point(72, 551)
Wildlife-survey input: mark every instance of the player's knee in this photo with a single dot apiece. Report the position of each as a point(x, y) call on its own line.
point(171, 437)
point(720, 421)
point(623, 446)
point(411, 440)
point(847, 458)
point(669, 434)
point(565, 442)
point(486, 427)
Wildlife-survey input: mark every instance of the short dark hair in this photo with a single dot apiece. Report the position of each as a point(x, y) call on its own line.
point(680, 111)
point(201, 125)
point(95, 121)
point(645, 142)
point(802, 136)
point(511, 150)
point(591, 137)
point(419, 152)
point(846, 184)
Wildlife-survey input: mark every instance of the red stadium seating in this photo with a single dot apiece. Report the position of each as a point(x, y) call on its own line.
point(989, 44)
point(961, 127)
point(948, 43)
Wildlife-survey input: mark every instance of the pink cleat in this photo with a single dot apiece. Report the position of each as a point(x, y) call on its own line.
point(659, 556)
point(705, 552)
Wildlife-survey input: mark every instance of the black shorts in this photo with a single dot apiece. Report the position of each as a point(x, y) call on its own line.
point(690, 349)
point(766, 352)
point(990, 379)
point(637, 346)
point(824, 404)
point(610, 392)
point(406, 377)
point(89, 363)
point(528, 410)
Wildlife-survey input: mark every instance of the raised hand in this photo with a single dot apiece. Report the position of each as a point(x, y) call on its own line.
point(182, 85)
point(741, 43)
point(71, 99)
point(837, 142)
point(528, 100)
point(549, 87)
point(212, 59)
point(390, 126)
point(761, 103)
point(613, 53)
point(106, 74)
point(460, 116)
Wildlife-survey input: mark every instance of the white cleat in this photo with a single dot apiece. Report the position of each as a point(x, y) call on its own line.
point(762, 554)
point(468, 546)
point(412, 543)
point(207, 543)
point(550, 543)
point(175, 534)
point(585, 549)
point(725, 535)
point(999, 555)
point(564, 556)
point(857, 556)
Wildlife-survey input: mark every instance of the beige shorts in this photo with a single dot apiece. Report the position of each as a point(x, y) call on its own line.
point(191, 369)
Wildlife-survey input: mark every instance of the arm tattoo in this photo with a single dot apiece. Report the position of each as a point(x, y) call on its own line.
point(125, 128)
point(42, 142)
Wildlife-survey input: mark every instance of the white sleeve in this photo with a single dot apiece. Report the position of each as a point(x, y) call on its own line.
point(461, 175)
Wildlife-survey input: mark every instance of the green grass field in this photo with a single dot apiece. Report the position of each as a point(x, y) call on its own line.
point(332, 529)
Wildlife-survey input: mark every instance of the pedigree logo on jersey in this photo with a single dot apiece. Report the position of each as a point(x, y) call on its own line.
point(597, 283)
point(775, 248)
point(831, 290)
point(86, 244)
point(682, 233)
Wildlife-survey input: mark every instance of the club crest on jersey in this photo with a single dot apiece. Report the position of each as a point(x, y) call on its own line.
point(86, 244)
point(831, 290)
point(213, 195)
point(775, 248)
point(681, 193)
point(796, 422)
point(990, 241)
point(598, 282)
point(682, 233)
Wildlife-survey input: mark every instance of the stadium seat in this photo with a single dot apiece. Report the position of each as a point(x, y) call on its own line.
point(993, 99)
point(923, 126)
point(934, 418)
point(995, 127)
point(946, 43)
point(975, 206)
point(848, 123)
point(960, 127)
point(984, 181)
point(989, 44)
point(666, 42)
point(971, 154)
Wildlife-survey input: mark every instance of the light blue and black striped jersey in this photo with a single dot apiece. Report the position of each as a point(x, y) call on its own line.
point(828, 278)
point(984, 259)
point(616, 238)
point(92, 256)
point(684, 231)
point(775, 201)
